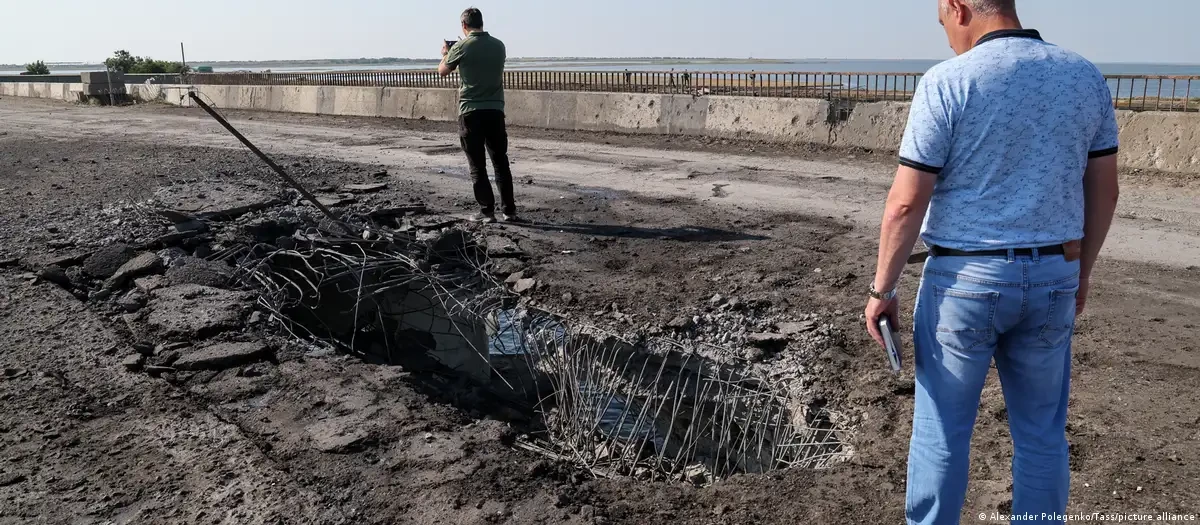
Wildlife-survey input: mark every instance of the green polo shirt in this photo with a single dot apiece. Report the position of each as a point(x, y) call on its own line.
point(479, 59)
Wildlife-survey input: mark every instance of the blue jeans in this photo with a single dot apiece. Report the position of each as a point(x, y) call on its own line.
point(1019, 311)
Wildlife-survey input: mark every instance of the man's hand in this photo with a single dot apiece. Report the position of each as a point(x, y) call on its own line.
point(445, 48)
point(876, 309)
point(1082, 296)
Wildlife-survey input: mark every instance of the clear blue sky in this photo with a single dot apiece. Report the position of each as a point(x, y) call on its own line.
point(87, 30)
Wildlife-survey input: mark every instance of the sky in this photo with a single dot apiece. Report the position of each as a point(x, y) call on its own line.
point(1161, 31)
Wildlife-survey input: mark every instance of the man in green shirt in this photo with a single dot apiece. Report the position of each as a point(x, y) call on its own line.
point(479, 60)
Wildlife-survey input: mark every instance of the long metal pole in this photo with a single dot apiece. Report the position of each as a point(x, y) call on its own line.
point(278, 170)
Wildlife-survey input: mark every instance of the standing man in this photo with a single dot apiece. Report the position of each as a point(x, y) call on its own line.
point(479, 60)
point(1009, 158)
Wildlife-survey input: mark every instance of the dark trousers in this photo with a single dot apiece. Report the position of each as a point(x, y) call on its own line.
point(482, 133)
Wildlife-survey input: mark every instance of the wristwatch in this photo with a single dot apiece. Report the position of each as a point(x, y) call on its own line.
point(885, 296)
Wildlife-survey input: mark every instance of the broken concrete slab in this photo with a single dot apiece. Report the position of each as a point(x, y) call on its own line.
point(137, 328)
point(333, 201)
point(155, 370)
point(133, 301)
point(107, 260)
point(507, 267)
point(212, 201)
point(436, 222)
point(178, 217)
point(525, 285)
point(133, 362)
point(194, 270)
point(223, 356)
point(500, 246)
point(681, 323)
point(366, 188)
point(163, 348)
point(797, 328)
point(171, 256)
point(397, 211)
point(144, 264)
point(194, 311)
point(150, 283)
point(56, 275)
point(514, 277)
point(194, 226)
point(768, 342)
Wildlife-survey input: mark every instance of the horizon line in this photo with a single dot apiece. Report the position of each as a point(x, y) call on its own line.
point(592, 58)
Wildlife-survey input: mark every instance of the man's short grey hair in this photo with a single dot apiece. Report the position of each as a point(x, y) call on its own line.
point(989, 7)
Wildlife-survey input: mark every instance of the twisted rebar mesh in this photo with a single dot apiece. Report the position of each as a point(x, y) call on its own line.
point(653, 409)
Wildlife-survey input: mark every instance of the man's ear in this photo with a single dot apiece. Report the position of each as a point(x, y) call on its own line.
point(960, 12)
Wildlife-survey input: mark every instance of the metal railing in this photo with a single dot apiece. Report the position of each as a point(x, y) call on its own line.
point(155, 78)
point(1155, 93)
point(852, 86)
point(1131, 92)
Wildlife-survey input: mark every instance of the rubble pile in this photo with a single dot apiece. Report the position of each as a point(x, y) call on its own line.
point(193, 274)
point(209, 278)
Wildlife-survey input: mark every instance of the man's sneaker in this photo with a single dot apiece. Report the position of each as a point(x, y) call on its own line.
point(513, 218)
point(483, 218)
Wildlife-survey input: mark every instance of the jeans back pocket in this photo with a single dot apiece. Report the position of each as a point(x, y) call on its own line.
point(965, 319)
point(1060, 317)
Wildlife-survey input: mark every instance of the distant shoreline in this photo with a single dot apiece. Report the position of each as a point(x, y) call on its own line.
point(523, 62)
point(389, 61)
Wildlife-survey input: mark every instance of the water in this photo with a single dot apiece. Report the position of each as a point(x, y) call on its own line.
point(617, 64)
point(613, 415)
point(619, 418)
point(514, 329)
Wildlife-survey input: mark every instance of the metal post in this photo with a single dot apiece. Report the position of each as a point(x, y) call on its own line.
point(108, 73)
point(275, 167)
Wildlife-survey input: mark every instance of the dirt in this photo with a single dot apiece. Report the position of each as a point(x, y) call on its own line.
point(297, 435)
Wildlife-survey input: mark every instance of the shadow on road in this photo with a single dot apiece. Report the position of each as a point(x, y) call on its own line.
point(683, 233)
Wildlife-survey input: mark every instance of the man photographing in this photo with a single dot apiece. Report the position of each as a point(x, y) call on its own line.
point(1008, 171)
point(479, 60)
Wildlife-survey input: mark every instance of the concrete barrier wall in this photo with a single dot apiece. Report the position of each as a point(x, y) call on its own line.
point(51, 90)
point(1149, 140)
point(773, 119)
point(1160, 140)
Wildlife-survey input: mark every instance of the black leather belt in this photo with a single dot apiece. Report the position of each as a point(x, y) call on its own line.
point(938, 251)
